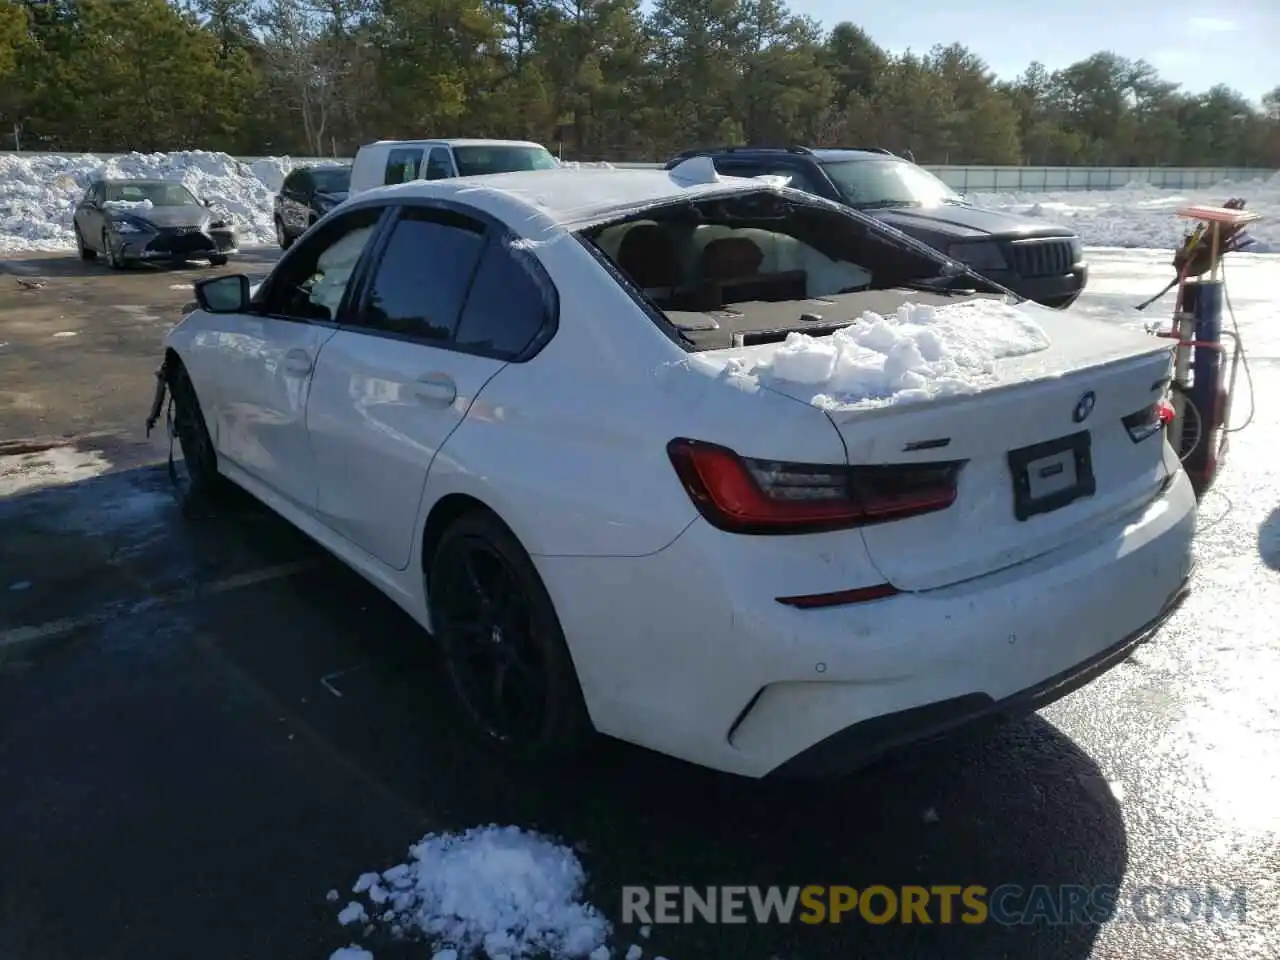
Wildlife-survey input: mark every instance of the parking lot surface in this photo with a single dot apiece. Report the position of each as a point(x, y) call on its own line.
point(206, 724)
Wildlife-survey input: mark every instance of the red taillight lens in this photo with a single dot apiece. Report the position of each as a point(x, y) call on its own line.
point(1148, 421)
point(744, 495)
point(840, 598)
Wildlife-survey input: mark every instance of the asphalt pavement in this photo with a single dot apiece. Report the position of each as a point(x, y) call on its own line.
point(206, 724)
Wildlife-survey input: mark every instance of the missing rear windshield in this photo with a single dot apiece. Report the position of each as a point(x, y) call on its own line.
point(749, 268)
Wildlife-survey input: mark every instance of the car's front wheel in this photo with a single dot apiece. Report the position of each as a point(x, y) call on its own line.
point(114, 260)
point(218, 260)
point(505, 654)
point(198, 454)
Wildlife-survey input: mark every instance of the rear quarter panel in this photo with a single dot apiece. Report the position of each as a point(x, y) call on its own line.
point(570, 447)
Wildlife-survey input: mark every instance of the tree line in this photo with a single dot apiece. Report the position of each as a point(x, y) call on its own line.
point(596, 79)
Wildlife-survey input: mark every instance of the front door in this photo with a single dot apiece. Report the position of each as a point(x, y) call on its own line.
point(447, 306)
point(267, 357)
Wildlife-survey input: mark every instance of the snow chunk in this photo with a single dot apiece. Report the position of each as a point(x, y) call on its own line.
point(497, 890)
point(919, 353)
point(351, 953)
point(353, 912)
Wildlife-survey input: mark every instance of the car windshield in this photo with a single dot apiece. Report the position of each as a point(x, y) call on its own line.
point(160, 194)
point(331, 179)
point(477, 161)
point(876, 184)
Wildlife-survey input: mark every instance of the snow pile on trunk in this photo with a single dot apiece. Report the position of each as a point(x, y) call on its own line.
point(492, 891)
point(38, 193)
point(1143, 216)
point(919, 353)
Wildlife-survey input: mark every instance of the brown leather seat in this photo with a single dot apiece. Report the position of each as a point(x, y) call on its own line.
point(648, 256)
point(731, 258)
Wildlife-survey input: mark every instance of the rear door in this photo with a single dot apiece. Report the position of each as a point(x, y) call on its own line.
point(445, 305)
point(88, 216)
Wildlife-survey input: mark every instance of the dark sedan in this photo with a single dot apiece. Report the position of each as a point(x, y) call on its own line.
point(131, 221)
point(1034, 259)
point(306, 195)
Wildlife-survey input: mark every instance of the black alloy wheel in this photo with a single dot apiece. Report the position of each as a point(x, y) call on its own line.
point(504, 651)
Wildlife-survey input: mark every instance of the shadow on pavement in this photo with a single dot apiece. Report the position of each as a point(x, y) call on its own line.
point(70, 265)
point(1269, 540)
point(194, 777)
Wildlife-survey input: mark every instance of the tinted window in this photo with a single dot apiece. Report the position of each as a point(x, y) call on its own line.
point(158, 194)
point(799, 179)
point(311, 280)
point(438, 166)
point(877, 184)
point(511, 301)
point(423, 275)
point(477, 161)
point(331, 179)
point(402, 165)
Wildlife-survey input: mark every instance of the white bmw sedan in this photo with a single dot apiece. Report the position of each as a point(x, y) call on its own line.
point(702, 463)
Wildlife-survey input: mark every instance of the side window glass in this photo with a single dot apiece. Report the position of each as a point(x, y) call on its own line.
point(97, 192)
point(438, 166)
point(423, 275)
point(402, 165)
point(512, 300)
point(310, 282)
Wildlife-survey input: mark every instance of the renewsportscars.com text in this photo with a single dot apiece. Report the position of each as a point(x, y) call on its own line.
point(1008, 904)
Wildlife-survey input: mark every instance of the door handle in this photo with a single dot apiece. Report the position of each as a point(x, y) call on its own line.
point(436, 388)
point(297, 362)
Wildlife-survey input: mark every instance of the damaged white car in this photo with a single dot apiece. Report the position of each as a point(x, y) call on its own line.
point(706, 464)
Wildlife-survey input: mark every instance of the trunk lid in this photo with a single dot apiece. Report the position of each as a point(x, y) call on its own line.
point(1056, 415)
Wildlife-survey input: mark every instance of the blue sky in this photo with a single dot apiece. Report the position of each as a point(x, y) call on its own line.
point(1236, 42)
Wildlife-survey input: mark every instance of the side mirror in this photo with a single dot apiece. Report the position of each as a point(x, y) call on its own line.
point(207, 203)
point(229, 294)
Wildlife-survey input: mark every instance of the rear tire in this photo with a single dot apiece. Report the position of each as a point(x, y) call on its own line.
point(218, 260)
point(198, 453)
point(507, 663)
point(282, 235)
point(85, 252)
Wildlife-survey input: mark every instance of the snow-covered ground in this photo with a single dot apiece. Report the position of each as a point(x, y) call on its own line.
point(37, 194)
point(1141, 216)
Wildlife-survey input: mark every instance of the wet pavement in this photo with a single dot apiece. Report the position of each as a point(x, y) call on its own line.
point(205, 724)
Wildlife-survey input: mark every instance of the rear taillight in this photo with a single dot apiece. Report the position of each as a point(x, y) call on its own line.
point(1148, 421)
point(745, 495)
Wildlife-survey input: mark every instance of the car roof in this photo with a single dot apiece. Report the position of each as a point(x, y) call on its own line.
point(532, 201)
point(846, 153)
point(462, 142)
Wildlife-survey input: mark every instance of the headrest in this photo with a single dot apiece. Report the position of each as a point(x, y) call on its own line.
point(731, 257)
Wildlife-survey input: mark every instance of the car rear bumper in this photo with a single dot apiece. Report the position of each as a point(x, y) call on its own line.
point(687, 651)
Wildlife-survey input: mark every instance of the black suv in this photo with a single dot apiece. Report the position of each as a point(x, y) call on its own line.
point(306, 195)
point(1036, 260)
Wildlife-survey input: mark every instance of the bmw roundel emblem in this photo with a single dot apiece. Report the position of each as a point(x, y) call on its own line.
point(1084, 407)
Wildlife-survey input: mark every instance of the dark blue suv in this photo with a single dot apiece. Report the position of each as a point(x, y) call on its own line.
point(1034, 259)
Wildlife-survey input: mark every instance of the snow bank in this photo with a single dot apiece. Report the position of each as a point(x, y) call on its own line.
point(919, 353)
point(1142, 216)
point(38, 193)
point(496, 891)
